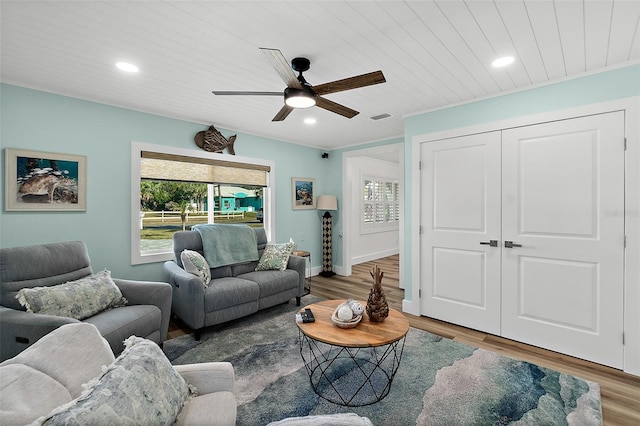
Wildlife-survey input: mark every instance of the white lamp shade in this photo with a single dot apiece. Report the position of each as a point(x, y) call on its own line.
point(327, 202)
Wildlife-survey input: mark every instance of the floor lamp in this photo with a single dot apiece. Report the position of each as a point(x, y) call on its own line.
point(327, 203)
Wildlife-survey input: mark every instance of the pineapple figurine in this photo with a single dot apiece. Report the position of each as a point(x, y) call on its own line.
point(377, 306)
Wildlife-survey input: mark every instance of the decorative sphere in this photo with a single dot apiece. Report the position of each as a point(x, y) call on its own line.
point(357, 308)
point(345, 313)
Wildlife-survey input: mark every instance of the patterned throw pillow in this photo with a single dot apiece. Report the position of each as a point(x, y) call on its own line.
point(194, 263)
point(140, 387)
point(275, 257)
point(78, 299)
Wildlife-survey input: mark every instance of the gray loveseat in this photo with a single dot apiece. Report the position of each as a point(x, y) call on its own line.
point(235, 291)
point(146, 313)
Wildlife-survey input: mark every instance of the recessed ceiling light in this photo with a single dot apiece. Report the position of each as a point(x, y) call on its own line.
point(503, 61)
point(309, 120)
point(125, 66)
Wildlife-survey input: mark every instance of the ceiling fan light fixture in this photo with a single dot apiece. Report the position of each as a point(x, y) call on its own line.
point(299, 98)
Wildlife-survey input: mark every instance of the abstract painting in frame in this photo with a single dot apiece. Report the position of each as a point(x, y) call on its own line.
point(44, 181)
point(303, 193)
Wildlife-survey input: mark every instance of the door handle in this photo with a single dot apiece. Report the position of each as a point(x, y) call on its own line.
point(492, 243)
point(511, 244)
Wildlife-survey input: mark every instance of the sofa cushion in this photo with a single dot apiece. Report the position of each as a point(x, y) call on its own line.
point(78, 299)
point(222, 271)
point(243, 268)
point(26, 394)
point(52, 371)
point(228, 292)
point(40, 265)
point(116, 325)
point(275, 257)
point(273, 282)
point(139, 387)
point(212, 409)
point(195, 263)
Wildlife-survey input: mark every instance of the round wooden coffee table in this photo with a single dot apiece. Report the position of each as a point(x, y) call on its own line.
point(355, 366)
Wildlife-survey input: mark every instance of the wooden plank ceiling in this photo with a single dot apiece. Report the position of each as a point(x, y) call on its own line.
point(433, 54)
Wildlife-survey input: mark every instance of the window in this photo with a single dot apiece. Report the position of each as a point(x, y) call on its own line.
point(173, 189)
point(380, 205)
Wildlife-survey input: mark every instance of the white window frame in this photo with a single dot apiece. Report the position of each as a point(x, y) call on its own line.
point(138, 257)
point(379, 226)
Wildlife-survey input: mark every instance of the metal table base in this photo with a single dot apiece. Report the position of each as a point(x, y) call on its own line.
point(350, 376)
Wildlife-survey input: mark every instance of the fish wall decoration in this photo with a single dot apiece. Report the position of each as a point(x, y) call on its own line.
point(212, 140)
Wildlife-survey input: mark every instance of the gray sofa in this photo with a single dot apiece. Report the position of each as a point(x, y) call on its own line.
point(50, 376)
point(146, 313)
point(236, 290)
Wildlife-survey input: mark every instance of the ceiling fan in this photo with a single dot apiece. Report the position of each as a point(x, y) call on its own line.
point(300, 94)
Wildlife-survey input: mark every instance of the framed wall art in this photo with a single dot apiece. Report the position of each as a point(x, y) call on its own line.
point(303, 193)
point(44, 181)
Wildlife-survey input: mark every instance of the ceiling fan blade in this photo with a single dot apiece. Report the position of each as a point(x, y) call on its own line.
point(363, 80)
point(335, 107)
point(227, 92)
point(283, 113)
point(282, 67)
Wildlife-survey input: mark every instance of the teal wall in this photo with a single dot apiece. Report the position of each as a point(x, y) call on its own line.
point(36, 120)
point(42, 121)
point(590, 89)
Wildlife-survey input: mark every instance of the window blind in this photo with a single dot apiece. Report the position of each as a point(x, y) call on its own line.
point(160, 166)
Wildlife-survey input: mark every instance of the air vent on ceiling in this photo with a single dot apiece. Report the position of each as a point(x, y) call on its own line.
point(380, 116)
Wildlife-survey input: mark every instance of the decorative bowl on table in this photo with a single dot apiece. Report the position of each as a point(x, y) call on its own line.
point(345, 323)
point(348, 314)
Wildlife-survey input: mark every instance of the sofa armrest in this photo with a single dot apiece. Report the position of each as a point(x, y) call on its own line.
point(176, 276)
point(19, 329)
point(298, 263)
point(149, 293)
point(188, 295)
point(208, 377)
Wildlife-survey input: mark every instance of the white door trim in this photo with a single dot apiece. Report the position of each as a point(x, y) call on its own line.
point(631, 106)
point(348, 202)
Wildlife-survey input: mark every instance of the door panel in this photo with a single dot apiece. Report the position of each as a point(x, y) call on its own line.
point(459, 196)
point(460, 277)
point(563, 288)
point(558, 178)
point(569, 282)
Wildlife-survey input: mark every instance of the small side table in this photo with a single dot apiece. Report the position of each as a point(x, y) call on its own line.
point(351, 367)
point(307, 279)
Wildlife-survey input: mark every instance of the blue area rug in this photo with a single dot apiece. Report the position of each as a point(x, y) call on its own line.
point(439, 381)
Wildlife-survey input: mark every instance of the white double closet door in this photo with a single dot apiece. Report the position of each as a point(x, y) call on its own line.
point(523, 234)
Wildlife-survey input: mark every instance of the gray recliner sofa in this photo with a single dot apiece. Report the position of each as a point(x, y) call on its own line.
point(146, 314)
point(236, 290)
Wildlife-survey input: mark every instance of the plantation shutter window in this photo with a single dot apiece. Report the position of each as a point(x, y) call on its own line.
point(380, 205)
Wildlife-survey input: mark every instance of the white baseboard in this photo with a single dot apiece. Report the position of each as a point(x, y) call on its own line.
point(315, 270)
point(373, 256)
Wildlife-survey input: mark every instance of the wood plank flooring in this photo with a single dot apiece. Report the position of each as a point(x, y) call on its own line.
point(620, 391)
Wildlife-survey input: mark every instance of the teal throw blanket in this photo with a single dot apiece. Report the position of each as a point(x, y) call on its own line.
point(227, 244)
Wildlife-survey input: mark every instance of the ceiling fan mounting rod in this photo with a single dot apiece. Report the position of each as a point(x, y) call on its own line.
point(301, 65)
